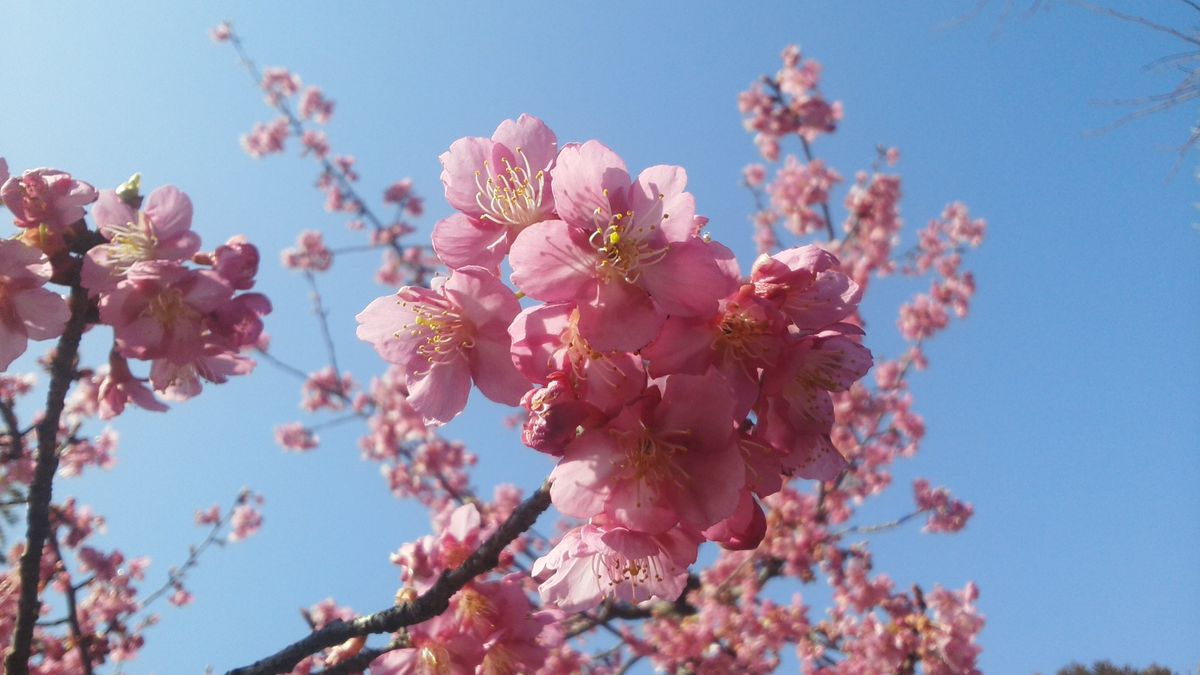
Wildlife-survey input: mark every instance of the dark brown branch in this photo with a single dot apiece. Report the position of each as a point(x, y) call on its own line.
point(427, 606)
point(62, 373)
point(82, 642)
point(16, 439)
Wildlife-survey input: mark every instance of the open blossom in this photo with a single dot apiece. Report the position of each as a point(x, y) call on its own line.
point(27, 310)
point(310, 253)
point(668, 458)
point(295, 436)
point(625, 251)
point(600, 560)
point(161, 231)
point(547, 341)
point(499, 186)
point(186, 321)
point(46, 198)
point(445, 338)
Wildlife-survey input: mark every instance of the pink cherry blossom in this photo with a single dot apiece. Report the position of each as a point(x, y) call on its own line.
point(598, 561)
point(46, 198)
point(161, 231)
point(654, 465)
point(625, 251)
point(310, 253)
point(499, 186)
point(445, 338)
point(27, 310)
point(547, 340)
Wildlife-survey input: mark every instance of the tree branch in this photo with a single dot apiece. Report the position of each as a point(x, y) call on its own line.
point(427, 606)
point(62, 373)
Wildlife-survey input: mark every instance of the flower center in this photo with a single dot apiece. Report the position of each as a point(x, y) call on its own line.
point(623, 245)
point(131, 243)
point(512, 196)
point(616, 569)
point(446, 333)
point(168, 307)
point(741, 336)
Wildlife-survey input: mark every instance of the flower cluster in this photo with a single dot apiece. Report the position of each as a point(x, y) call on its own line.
point(674, 392)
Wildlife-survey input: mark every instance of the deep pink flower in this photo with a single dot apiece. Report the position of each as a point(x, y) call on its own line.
point(27, 310)
point(447, 336)
point(744, 530)
point(796, 411)
point(547, 340)
point(668, 458)
point(46, 197)
point(499, 186)
point(599, 561)
point(237, 262)
point(161, 231)
point(159, 310)
point(808, 285)
point(746, 336)
point(625, 251)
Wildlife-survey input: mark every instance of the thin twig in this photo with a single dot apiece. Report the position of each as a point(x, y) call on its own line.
point(82, 642)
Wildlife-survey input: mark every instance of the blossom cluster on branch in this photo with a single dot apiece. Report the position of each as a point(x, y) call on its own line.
point(680, 399)
point(181, 315)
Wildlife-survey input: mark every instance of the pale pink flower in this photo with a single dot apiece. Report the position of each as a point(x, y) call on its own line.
point(161, 231)
point(625, 251)
point(296, 437)
point(46, 198)
point(599, 561)
point(499, 186)
point(946, 514)
point(221, 33)
point(310, 253)
point(27, 310)
point(445, 338)
point(159, 310)
point(3, 171)
point(314, 105)
point(267, 139)
point(246, 521)
point(210, 516)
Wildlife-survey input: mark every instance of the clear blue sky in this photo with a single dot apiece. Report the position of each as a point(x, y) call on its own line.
point(1064, 409)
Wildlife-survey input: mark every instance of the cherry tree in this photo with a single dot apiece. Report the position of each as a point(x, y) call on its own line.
point(695, 409)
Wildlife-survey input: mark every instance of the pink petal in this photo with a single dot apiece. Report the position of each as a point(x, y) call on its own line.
point(658, 196)
point(581, 175)
point(620, 318)
point(111, 210)
point(532, 136)
point(441, 393)
point(494, 372)
point(687, 281)
point(552, 262)
point(460, 164)
point(170, 211)
point(44, 312)
point(460, 241)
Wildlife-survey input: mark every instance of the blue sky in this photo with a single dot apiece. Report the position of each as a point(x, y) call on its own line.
point(1064, 409)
